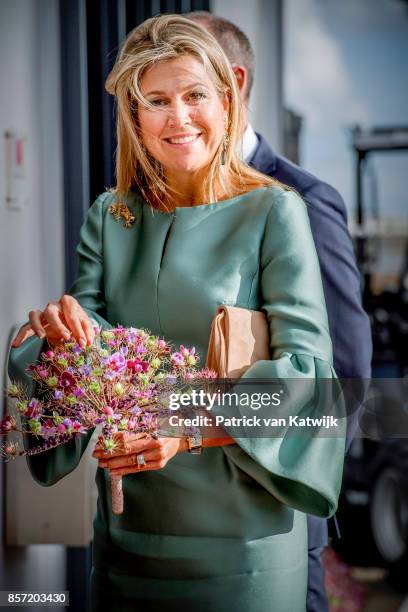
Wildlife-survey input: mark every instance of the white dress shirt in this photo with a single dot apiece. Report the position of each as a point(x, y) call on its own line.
point(249, 143)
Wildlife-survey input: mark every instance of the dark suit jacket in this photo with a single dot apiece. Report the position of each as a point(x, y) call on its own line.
point(349, 325)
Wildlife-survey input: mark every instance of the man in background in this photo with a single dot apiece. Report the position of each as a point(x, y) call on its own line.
point(349, 324)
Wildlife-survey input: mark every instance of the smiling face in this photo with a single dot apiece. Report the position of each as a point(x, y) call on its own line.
point(186, 126)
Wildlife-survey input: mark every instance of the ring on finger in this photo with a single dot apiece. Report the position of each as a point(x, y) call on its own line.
point(140, 460)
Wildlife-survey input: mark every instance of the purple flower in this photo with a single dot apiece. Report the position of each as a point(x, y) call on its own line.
point(78, 392)
point(77, 349)
point(58, 394)
point(131, 334)
point(111, 375)
point(85, 370)
point(48, 430)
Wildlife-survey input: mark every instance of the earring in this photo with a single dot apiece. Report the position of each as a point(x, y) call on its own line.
point(224, 149)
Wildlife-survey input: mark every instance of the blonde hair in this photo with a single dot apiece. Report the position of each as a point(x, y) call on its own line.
point(164, 38)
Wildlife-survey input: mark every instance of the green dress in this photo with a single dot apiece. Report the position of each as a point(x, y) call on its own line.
point(225, 530)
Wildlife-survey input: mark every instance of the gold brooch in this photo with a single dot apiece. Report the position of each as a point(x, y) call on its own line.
point(121, 211)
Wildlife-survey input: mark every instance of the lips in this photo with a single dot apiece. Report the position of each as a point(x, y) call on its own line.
point(182, 139)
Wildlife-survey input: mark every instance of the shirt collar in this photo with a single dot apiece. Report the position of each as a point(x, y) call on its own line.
point(249, 143)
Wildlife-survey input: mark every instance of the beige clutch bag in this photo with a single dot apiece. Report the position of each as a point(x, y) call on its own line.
point(238, 338)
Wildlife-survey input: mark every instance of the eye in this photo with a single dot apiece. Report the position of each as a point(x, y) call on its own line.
point(158, 102)
point(197, 96)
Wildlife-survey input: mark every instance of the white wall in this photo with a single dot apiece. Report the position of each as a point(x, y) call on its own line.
point(31, 238)
point(260, 21)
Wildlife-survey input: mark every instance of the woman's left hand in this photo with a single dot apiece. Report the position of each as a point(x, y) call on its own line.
point(155, 452)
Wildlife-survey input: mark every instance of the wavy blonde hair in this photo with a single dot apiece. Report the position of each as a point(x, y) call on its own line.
point(160, 39)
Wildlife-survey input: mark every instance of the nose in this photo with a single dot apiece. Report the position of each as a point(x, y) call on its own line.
point(179, 114)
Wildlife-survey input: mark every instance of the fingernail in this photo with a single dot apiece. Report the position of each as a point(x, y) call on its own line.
point(82, 343)
point(41, 335)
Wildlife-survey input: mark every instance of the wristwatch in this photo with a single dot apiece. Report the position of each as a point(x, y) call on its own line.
point(195, 441)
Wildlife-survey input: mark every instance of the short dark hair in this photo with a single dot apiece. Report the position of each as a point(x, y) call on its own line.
point(233, 41)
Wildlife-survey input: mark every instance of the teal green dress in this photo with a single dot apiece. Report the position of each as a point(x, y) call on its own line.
point(225, 530)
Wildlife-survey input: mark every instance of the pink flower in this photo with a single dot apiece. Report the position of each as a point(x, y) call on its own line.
point(61, 428)
point(137, 365)
point(108, 411)
point(117, 362)
point(206, 373)
point(66, 380)
point(33, 409)
point(7, 424)
point(187, 351)
point(76, 426)
point(177, 359)
point(10, 449)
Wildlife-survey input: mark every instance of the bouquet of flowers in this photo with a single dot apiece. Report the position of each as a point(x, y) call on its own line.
point(120, 383)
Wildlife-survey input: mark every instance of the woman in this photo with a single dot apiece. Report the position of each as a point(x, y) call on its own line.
point(224, 530)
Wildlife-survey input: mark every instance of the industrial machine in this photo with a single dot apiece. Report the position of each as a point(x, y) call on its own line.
point(373, 509)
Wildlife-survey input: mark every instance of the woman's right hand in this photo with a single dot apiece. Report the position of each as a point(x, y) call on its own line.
point(58, 322)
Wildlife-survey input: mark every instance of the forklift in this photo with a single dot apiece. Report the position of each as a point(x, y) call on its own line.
point(373, 506)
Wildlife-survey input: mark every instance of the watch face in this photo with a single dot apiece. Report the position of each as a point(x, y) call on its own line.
point(195, 444)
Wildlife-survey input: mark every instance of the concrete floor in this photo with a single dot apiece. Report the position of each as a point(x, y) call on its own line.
point(360, 589)
point(380, 596)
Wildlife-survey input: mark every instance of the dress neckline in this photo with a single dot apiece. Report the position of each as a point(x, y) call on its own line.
point(209, 206)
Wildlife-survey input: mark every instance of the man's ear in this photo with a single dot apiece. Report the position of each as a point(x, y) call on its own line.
point(241, 74)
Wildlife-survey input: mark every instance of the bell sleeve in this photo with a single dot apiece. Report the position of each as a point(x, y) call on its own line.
point(302, 470)
point(50, 466)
